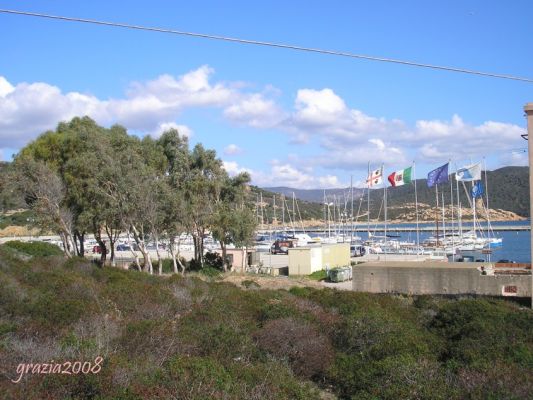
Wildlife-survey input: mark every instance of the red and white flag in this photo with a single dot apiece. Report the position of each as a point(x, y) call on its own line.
point(375, 177)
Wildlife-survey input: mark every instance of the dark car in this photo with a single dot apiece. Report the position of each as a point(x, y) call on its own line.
point(281, 246)
point(123, 247)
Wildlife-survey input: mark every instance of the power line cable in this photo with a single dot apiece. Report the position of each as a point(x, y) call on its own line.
point(268, 44)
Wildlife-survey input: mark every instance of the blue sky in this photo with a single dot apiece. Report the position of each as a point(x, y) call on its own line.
point(289, 118)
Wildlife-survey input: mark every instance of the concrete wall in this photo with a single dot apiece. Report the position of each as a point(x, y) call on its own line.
point(437, 278)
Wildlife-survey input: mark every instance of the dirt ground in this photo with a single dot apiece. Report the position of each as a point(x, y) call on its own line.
point(283, 282)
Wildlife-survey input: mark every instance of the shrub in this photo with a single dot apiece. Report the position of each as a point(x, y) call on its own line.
point(213, 260)
point(308, 352)
point(318, 275)
point(210, 272)
point(35, 249)
point(250, 284)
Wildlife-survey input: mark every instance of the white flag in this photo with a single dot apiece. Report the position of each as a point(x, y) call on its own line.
point(375, 177)
point(469, 173)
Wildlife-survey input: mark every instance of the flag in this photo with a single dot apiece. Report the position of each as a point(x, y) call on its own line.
point(469, 173)
point(477, 190)
point(400, 177)
point(375, 177)
point(439, 175)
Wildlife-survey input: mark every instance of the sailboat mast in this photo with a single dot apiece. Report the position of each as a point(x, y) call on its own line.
point(452, 223)
point(283, 211)
point(416, 212)
point(489, 227)
point(474, 207)
point(262, 213)
point(274, 210)
point(443, 217)
point(368, 202)
point(351, 212)
point(458, 206)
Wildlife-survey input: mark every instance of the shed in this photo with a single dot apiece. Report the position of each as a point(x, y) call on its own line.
point(306, 260)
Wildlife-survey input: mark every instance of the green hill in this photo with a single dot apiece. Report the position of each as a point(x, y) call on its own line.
point(129, 335)
point(508, 190)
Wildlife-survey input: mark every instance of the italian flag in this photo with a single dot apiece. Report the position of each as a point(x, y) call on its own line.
point(400, 177)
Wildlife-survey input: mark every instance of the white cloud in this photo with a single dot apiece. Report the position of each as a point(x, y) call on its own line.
point(375, 151)
point(255, 110)
point(183, 130)
point(5, 87)
point(284, 174)
point(232, 149)
point(440, 140)
point(28, 109)
point(233, 168)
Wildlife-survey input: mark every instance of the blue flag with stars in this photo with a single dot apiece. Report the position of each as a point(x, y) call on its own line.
point(439, 175)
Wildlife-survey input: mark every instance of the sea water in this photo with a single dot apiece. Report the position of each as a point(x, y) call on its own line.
point(516, 245)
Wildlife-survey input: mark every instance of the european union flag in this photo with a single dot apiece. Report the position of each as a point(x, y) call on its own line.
point(439, 175)
point(478, 190)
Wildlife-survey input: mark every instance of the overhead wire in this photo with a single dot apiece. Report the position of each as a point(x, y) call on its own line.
point(268, 44)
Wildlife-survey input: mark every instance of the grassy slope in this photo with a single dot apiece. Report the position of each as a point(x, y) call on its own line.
point(165, 338)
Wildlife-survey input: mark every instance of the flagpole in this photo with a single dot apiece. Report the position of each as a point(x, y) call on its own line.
point(437, 212)
point(368, 204)
point(351, 212)
point(459, 222)
point(416, 212)
point(451, 207)
point(489, 226)
point(385, 204)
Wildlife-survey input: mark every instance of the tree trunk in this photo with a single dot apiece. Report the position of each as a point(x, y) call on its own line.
point(139, 239)
point(103, 248)
point(134, 253)
point(173, 256)
point(224, 258)
point(159, 259)
point(82, 244)
point(64, 241)
point(79, 243)
point(112, 235)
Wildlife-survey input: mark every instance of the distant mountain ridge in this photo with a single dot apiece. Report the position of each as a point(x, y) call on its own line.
point(314, 195)
point(508, 189)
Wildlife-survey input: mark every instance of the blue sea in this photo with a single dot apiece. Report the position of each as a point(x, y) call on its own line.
point(516, 244)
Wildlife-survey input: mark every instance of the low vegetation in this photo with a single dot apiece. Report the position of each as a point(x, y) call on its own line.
point(190, 338)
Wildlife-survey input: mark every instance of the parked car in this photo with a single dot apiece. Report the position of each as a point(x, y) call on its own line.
point(123, 247)
point(357, 251)
point(281, 246)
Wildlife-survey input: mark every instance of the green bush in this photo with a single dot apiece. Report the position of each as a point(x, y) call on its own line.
point(210, 271)
point(34, 249)
point(318, 275)
point(17, 219)
point(250, 284)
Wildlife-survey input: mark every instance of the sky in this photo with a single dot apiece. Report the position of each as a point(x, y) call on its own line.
point(289, 118)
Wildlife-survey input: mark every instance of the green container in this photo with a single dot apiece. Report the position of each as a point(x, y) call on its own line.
point(340, 274)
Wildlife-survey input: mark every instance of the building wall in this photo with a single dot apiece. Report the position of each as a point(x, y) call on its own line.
point(336, 255)
point(305, 260)
point(441, 279)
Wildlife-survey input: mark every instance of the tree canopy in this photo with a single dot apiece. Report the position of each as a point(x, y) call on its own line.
point(83, 178)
